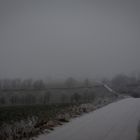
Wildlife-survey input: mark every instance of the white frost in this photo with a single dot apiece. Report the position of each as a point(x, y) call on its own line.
point(117, 121)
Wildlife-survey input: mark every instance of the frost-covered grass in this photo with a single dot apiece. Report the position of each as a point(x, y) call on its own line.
point(10, 114)
point(18, 122)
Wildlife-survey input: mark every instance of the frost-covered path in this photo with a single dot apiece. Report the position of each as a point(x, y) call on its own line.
point(117, 121)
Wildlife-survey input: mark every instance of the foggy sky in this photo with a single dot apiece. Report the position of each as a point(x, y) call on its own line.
point(60, 38)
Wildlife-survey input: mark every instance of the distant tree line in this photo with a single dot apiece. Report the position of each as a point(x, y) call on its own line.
point(26, 92)
point(27, 84)
point(125, 84)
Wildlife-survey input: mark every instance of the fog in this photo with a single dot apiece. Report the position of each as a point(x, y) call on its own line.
point(78, 38)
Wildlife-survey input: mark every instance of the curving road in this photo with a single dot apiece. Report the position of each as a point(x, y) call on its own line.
point(117, 121)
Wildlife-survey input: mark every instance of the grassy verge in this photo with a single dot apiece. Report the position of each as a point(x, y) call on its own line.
point(11, 114)
point(18, 122)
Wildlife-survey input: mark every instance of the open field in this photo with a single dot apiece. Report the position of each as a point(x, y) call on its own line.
point(18, 122)
point(11, 114)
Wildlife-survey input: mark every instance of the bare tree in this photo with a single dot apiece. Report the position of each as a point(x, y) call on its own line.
point(63, 98)
point(75, 98)
point(30, 99)
point(46, 98)
point(87, 83)
point(70, 82)
point(39, 84)
point(2, 100)
point(27, 84)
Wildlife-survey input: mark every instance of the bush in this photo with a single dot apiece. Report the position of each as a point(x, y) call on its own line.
point(135, 95)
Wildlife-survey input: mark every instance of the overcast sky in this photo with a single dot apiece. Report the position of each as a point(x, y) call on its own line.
point(60, 38)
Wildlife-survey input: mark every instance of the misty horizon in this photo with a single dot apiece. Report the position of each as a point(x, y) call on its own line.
point(61, 39)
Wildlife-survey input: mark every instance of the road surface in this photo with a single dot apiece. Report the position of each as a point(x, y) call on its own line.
point(116, 121)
